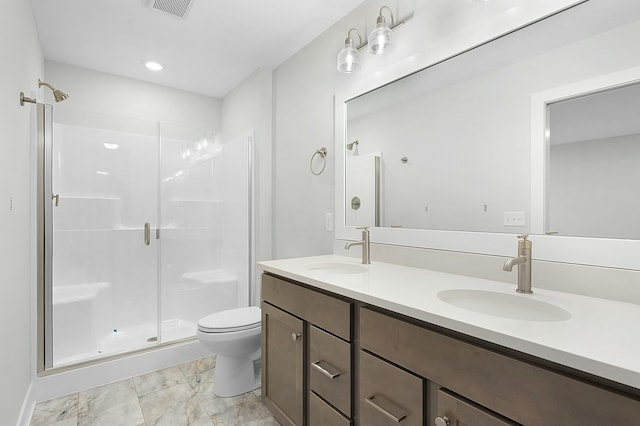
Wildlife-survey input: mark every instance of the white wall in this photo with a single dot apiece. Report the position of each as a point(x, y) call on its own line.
point(22, 65)
point(103, 93)
point(248, 107)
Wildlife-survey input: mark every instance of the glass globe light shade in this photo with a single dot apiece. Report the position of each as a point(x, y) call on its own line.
point(380, 37)
point(349, 58)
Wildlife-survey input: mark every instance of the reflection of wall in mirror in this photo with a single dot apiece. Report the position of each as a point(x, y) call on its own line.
point(362, 190)
point(593, 188)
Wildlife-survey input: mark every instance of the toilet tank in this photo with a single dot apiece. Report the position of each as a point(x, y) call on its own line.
point(202, 293)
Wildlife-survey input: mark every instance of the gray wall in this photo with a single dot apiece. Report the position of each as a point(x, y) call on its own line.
point(22, 65)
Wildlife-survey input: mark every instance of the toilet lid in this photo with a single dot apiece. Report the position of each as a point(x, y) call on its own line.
point(231, 320)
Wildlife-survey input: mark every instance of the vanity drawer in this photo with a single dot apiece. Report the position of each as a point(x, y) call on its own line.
point(327, 312)
point(459, 411)
point(330, 369)
point(388, 395)
point(321, 414)
point(494, 380)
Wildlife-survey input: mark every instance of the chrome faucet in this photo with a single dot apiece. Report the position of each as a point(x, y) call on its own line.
point(366, 256)
point(524, 265)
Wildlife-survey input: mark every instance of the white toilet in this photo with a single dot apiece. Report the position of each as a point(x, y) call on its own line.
point(234, 335)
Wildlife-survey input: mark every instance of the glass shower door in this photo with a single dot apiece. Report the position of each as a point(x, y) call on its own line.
point(206, 252)
point(105, 255)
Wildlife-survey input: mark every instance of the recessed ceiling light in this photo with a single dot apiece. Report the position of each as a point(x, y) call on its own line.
point(153, 66)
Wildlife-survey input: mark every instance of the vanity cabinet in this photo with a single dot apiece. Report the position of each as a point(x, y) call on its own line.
point(494, 381)
point(307, 354)
point(329, 360)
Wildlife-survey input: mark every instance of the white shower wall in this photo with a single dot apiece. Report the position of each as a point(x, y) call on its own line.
point(112, 293)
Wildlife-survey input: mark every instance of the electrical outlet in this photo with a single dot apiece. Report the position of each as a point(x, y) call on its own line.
point(514, 219)
point(328, 222)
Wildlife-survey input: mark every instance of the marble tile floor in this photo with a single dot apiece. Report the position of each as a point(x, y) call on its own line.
point(174, 396)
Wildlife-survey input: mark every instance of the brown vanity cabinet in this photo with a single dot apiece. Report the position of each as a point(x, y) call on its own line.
point(329, 360)
point(322, 358)
point(521, 391)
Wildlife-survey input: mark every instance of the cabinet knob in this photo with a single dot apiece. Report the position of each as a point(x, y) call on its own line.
point(295, 336)
point(442, 421)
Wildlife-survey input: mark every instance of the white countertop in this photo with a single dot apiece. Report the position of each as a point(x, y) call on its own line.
point(602, 337)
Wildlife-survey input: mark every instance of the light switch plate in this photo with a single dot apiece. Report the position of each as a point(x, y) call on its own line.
point(328, 222)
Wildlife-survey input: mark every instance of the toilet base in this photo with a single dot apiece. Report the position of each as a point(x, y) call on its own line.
point(236, 375)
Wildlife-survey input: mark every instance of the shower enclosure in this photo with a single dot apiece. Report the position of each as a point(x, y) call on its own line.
point(144, 228)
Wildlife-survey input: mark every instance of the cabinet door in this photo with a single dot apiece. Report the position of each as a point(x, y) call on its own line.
point(282, 365)
point(456, 411)
point(388, 395)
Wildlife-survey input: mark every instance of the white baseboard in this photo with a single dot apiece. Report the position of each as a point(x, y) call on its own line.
point(27, 407)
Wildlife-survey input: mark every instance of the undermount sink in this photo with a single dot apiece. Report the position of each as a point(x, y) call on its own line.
point(338, 268)
point(514, 306)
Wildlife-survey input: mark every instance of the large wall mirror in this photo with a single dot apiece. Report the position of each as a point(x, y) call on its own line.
point(505, 139)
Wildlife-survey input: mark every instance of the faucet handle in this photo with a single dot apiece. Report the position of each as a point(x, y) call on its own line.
point(523, 237)
point(364, 228)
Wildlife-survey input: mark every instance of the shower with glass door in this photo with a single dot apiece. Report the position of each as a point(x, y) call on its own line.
point(144, 228)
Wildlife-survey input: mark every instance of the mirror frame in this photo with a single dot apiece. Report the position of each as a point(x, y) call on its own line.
point(610, 252)
point(613, 253)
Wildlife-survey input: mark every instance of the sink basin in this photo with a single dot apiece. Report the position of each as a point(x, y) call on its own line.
point(514, 306)
point(338, 268)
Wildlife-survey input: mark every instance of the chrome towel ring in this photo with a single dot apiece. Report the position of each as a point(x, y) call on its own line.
point(323, 153)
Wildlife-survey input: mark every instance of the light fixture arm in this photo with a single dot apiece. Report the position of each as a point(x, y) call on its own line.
point(349, 40)
point(381, 17)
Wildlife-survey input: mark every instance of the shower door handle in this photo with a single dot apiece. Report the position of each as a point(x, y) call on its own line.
point(147, 233)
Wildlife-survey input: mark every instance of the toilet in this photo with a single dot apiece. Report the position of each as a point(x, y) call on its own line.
point(234, 336)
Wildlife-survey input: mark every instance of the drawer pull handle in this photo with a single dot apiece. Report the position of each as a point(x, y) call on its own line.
point(326, 369)
point(387, 408)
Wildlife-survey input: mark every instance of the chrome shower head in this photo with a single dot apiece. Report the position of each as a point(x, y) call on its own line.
point(353, 144)
point(58, 95)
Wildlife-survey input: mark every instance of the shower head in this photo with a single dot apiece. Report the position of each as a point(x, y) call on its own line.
point(353, 144)
point(58, 95)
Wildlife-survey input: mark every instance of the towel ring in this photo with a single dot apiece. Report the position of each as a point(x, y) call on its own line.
point(323, 153)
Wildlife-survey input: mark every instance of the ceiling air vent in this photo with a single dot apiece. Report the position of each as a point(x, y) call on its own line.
point(179, 8)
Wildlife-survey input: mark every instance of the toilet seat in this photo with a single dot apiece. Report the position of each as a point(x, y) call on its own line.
point(231, 320)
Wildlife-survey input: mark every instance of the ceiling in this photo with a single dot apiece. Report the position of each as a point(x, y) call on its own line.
point(212, 50)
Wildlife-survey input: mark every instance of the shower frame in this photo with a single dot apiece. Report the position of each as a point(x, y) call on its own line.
point(43, 129)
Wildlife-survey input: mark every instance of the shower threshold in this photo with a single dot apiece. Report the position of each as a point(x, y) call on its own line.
point(129, 339)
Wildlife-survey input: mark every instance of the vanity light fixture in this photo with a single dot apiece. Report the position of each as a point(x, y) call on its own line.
point(380, 37)
point(378, 41)
point(349, 56)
